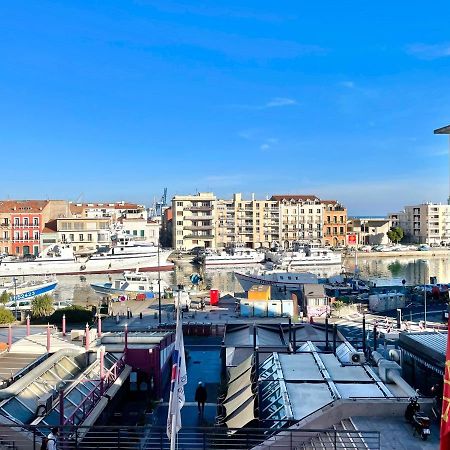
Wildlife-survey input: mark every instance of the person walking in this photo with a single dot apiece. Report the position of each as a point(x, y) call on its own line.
point(52, 439)
point(200, 397)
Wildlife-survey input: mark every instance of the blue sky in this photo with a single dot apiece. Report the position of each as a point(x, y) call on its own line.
point(117, 99)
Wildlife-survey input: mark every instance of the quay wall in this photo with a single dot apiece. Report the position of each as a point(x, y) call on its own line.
point(408, 253)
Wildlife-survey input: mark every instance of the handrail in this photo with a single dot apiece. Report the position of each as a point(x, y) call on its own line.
point(97, 391)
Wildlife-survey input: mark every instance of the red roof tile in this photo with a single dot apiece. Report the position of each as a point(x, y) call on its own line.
point(22, 206)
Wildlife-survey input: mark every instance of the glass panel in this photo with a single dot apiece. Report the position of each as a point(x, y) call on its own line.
point(15, 409)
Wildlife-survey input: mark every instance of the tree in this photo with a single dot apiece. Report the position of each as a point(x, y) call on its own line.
point(4, 297)
point(42, 306)
point(6, 316)
point(396, 234)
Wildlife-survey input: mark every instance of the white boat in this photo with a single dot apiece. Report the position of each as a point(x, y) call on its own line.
point(124, 254)
point(131, 284)
point(305, 255)
point(280, 279)
point(235, 256)
point(27, 290)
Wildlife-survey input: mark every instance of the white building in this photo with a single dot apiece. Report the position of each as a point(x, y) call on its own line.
point(427, 223)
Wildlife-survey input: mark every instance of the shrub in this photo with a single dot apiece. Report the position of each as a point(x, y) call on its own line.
point(4, 297)
point(6, 316)
point(74, 314)
point(42, 306)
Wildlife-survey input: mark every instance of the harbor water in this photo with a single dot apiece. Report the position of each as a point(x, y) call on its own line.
point(384, 271)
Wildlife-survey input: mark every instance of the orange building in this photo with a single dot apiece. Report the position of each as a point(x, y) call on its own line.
point(335, 224)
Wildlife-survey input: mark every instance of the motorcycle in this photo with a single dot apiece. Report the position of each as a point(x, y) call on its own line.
point(418, 420)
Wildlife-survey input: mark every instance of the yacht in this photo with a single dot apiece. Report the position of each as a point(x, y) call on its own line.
point(20, 290)
point(276, 278)
point(305, 255)
point(234, 256)
point(124, 254)
point(130, 285)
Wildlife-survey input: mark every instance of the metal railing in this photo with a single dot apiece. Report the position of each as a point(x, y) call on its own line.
point(95, 394)
point(155, 438)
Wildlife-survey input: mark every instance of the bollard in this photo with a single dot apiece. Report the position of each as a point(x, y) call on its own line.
point(126, 338)
point(102, 370)
point(87, 337)
point(99, 326)
point(28, 325)
point(9, 337)
point(48, 338)
point(327, 341)
point(64, 325)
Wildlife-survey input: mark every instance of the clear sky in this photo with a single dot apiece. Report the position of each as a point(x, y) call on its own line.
point(111, 100)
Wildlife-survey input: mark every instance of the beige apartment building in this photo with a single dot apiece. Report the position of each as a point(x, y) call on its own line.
point(249, 223)
point(193, 221)
point(427, 223)
point(301, 219)
point(202, 220)
point(84, 234)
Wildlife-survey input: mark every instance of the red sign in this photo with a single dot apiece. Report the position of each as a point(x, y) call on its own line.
point(351, 239)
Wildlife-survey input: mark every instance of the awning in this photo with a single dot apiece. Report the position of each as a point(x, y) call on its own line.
point(239, 383)
point(236, 401)
point(236, 372)
point(243, 415)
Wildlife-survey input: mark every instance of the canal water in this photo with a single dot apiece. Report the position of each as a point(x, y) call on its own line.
point(384, 271)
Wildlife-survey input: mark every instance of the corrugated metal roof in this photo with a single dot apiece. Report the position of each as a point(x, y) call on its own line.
point(435, 341)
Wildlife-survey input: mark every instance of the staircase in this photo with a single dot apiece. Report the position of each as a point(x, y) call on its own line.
point(344, 435)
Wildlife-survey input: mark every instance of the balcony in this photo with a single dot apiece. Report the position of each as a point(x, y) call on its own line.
point(23, 225)
point(199, 227)
point(198, 208)
point(198, 218)
point(205, 237)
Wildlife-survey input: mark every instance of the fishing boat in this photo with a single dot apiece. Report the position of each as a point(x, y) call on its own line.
point(305, 255)
point(27, 290)
point(233, 256)
point(131, 285)
point(124, 254)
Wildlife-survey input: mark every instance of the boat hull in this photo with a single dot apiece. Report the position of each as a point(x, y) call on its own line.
point(90, 266)
point(105, 289)
point(30, 293)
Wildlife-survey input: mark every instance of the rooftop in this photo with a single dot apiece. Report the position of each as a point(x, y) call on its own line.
point(22, 206)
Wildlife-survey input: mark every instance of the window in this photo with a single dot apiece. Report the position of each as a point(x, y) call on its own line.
point(16, 222)
point(179, 203)
point(142, 233)
point(25, 221)
point(17, 250)
point(16, 235)
point(179, 213)
point(134, 232)
point(5, 235)
point(89, 237)
point(5, 221)
point(63, 237)
point(35, 221)
point(310, 211)
point(36, 235)
point(81, 237)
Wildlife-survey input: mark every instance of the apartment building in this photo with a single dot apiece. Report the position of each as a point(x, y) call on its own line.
point(113, 211)
point(301, 219)
point(426, 223)
point(202, 220)
point(22, 222)
point(141, 229)
point(335, 224)
point(193, 221)
point(249, 223)
point(369, 231)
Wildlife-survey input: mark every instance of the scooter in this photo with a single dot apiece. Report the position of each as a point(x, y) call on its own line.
point(419, 421)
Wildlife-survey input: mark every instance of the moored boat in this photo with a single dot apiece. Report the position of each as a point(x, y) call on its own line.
point(27, 290)
point(233, 256)
point(124, 254)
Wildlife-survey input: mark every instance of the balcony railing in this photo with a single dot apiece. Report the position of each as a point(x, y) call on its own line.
point(199, 218)
point(206, 237)
point(199, 227)
point(198, 208)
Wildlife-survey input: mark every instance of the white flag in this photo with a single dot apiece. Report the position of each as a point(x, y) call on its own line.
point(179, 380)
